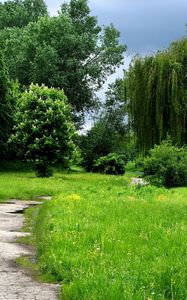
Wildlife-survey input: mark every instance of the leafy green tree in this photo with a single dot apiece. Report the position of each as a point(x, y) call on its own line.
point(103, 138)
point(6, 107)
point(44, 131)
point(116, 108)
point(69, 51)
point(18, 13)
point(97, 142)
point(110, 133)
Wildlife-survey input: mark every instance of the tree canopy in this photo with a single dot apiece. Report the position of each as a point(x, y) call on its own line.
point(157, 95)
point(70, 51)
point(110, 130)
point(44, 130)
point(18, 13)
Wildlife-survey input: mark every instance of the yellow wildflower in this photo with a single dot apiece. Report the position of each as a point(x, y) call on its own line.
point(74, 197)
point(161, 197)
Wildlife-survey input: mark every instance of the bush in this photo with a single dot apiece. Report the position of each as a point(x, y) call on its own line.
point(167, 164)
point(113, 164)
point(44, 131)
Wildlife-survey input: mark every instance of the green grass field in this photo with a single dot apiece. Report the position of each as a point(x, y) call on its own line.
point(104, 239)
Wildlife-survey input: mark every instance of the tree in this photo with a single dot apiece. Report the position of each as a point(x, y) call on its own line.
point(44, 131)
point(157, 91)
point(69, 51)
point(110, 133)
point(115, 107)
point(98, 141)
point(6, 107)
point(18, 13)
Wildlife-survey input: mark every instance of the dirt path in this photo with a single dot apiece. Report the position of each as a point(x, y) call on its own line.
point(14, 283)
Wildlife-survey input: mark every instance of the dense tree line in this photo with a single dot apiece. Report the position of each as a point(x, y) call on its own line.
point(72, 52)
point(69, 51)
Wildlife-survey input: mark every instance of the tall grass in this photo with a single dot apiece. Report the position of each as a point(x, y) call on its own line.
point(104, 239)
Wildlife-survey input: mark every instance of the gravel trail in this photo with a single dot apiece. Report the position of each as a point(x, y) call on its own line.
point(14, 283)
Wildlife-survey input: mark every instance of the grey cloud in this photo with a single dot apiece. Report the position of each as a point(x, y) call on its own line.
point(145, 25)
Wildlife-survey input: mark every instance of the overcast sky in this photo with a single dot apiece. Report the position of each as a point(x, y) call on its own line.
point(145, 25)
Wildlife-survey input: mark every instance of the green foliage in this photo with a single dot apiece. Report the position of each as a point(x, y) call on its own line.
point(15, 166)
point(44, 131)
point(92, 146)
point(111, 131)
point(116, 112)
point(6, 107)
point(113, 164)
point(157, 93)
point(69, 51)
point(167, 164)
point(100, 140)
point(18, 13)
point(116, 109)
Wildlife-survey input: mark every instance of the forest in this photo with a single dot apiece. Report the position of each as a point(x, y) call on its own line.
point(116, 225)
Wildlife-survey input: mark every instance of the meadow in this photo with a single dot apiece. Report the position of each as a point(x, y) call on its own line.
point(104, 239)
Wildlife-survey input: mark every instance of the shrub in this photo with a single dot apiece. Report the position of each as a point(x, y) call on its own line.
point(167, 164)
point(113, 164)
point(44, 131)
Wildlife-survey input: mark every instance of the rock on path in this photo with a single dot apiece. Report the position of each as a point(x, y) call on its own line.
point(14, 283)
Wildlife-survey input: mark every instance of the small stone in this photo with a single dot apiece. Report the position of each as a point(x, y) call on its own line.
point(139, 181)
point(44, 197)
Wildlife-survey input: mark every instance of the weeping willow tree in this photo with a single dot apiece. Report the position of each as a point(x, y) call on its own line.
point(157, 92)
